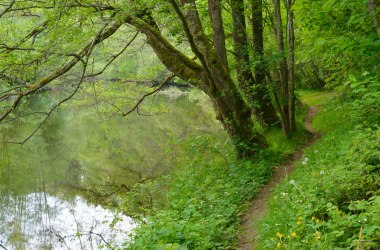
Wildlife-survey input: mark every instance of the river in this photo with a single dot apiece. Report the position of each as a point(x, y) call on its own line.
point(60, 190)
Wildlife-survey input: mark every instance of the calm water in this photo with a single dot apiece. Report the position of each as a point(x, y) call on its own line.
point(42, 221)
point(50, 187)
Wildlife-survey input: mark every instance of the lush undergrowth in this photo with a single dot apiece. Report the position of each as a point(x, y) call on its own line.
point(204, 197)
point(278, 142)
point(332, 201)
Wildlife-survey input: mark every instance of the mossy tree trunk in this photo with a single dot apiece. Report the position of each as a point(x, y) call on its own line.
point(283, 68)
point(208, 74)
point(255, 90)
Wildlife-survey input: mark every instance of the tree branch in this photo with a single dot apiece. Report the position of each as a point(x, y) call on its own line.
point(135, 107)
point(90, 47)
point(178, 63)
point(101, 36)
point(113, 57)
point(7, 8)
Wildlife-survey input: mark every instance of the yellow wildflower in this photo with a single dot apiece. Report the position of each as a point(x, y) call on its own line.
point(280, 235)
point(278, 245)
point(294, 234)
point(299, 222)
point(313, 218)
point(317, 235)
point(317, 220)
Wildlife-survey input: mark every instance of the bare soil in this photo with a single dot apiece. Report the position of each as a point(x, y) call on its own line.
point(248, 235)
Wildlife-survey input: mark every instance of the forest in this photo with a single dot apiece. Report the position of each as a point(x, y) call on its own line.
point(189, 124)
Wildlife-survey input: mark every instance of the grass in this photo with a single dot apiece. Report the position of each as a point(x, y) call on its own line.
point(313, 97)
point(279, 143)
point(334, 193)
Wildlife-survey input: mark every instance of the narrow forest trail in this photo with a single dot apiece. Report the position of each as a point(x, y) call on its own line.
point(248, 235)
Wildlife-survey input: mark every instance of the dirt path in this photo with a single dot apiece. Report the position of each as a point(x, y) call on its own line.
point(248, 237)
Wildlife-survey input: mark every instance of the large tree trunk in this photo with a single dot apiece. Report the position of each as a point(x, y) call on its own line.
point(215, 11)
point(292, 99)
point(241, 50)
point(210, 76)
point(255, 91)
point(233, 111)
point(284, 98)
point(267, 109)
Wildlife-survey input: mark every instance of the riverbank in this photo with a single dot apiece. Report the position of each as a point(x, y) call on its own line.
point(207, 194)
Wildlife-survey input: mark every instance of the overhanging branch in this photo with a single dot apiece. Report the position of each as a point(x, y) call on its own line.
point(136, 106)
point(103, 34)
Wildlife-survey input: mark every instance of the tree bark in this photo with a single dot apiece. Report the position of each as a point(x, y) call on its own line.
point(284, 99)
point(268, 112)
point(292, 117)
point(215, 10)
point(210, 76)
point(256, 92)
point(243, 64)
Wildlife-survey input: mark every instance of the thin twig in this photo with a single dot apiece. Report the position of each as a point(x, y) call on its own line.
point(87, 55)
point(7, 8)
point(135, 107)
point(101, 36)
point(113, 57)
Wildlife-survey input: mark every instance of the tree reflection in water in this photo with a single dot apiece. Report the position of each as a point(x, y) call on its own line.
point(42, 221)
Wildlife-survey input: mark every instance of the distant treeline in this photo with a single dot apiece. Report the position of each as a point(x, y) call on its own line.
point(152, 83)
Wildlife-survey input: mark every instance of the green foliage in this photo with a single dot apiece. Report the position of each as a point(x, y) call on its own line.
point(203, 198)
point(334, 193)
point(313, 97)
point(197, 201)
point(364, 91)
point(278, 142)
point(336, 39)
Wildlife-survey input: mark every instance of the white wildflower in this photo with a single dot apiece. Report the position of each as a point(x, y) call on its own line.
point(292, 182)
point(322, 172)
point(304, 163)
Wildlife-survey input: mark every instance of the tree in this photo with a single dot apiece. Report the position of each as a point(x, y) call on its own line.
point(286, 67)
point(266, 106)
point(215, 11)
point(291, 63)
point(254, 87)
point(284, 105)
point(208, 72)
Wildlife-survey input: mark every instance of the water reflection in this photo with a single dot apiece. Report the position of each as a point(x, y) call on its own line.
point(98, 156)
point(43, 221)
